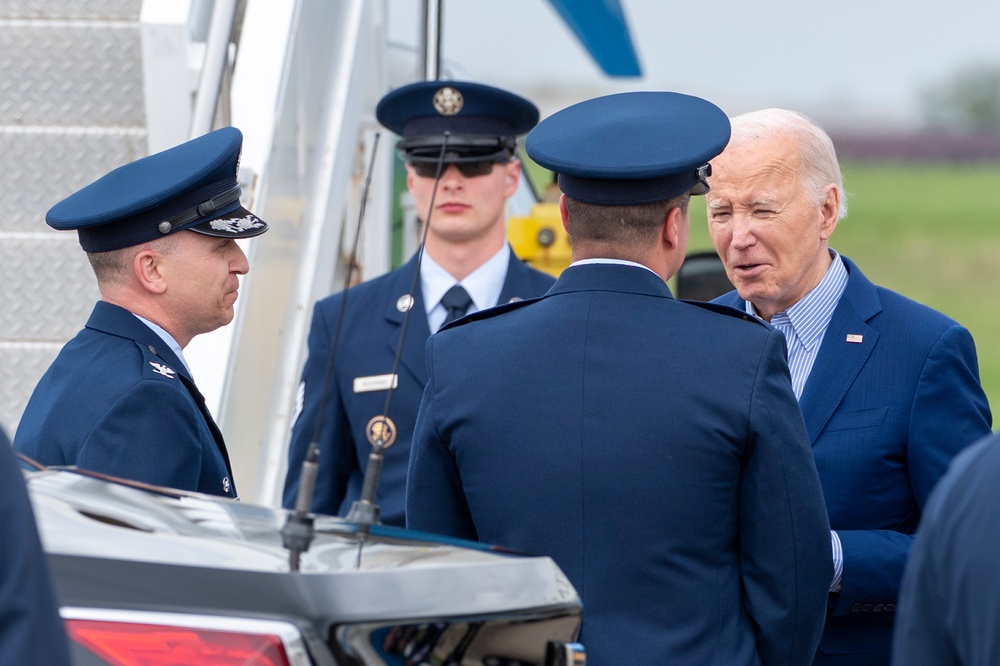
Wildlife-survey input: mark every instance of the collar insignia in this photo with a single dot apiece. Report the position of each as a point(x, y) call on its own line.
point(404, 303)
point(164, 370)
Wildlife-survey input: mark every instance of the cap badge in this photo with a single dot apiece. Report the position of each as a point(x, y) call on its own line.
point(237, 225)
point(164, 370)
point(381, 431)
point(404, 303)
point(448, 101)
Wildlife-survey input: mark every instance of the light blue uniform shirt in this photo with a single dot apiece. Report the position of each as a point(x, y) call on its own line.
point(483, 284)
point(167, 338)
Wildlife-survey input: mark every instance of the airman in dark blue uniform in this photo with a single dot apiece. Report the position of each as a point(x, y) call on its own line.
point(119, 399)
point(652, 447)
point(465, 133)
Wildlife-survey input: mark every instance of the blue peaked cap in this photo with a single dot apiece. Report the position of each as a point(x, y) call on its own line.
point(631, 148)
point(481, 122)
point(191, 186)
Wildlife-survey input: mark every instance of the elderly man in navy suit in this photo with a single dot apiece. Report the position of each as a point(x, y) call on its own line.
point(949, 605)
point(651, 447)
point(889, 388)
point(458, 142)
point(160, 234)
point(31, 631)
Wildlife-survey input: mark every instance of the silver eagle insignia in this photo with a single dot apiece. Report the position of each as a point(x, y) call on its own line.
point(164, 370)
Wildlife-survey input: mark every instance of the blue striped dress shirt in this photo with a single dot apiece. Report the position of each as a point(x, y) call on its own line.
point(804, 325)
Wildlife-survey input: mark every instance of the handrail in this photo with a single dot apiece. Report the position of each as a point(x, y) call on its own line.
point(430, 39)
point(215, 67)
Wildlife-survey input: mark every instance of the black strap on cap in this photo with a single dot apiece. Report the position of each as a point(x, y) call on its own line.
point(204, 209)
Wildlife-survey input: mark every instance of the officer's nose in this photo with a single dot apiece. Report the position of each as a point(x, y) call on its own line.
point(238, 263)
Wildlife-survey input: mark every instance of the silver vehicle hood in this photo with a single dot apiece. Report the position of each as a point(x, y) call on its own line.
point(135, 540)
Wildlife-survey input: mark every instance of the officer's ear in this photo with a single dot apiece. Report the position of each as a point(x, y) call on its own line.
point(147, 267)
point(671, 229)
point(564, 212)
point(512, 177)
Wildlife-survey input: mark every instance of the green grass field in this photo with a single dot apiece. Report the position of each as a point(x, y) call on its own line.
point(930, 232)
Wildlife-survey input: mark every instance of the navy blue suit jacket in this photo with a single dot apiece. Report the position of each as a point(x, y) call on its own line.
point(949, 609)
point(117, 400)
point(885, 417)
point(653, 448)
point(31, 631)
point(369, 339)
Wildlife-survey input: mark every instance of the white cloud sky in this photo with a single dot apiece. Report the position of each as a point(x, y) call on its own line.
point(853, 62)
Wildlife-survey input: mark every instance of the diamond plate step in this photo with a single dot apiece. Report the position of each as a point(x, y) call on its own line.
point(71, 74)
point(71, 9)
point(41, 166)
point(47, 287)
point(23, 366)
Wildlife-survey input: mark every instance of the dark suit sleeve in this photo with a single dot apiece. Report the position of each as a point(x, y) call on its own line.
point(31, 631)
point(949, 412)
point(321, 400)
point(785, 553)
point(153, 433)
point(435, 501)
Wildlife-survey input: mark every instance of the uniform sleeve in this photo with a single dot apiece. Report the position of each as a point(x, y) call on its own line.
point(785, 550)
point(435, 501)
point(152, 434)
point(31, 631)
point(321, 403)
point(949, 412)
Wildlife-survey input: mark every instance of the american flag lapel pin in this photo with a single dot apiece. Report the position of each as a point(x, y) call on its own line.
point(855, 338)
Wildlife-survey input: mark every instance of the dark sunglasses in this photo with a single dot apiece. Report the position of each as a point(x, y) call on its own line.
point(467, 169)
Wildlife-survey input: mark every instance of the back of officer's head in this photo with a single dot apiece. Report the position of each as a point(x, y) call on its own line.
point(624, 161)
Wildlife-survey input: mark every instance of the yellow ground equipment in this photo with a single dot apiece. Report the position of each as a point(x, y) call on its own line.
point(539, 238)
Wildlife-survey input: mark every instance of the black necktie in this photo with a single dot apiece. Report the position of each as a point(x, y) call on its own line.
point(455, 301)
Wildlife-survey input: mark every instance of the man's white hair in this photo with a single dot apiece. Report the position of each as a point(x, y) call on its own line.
point(819, 158)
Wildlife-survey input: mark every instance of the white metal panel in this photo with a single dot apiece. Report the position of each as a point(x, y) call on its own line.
point(308, 125)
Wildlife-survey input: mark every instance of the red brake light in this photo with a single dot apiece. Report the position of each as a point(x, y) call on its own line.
point(128, 644)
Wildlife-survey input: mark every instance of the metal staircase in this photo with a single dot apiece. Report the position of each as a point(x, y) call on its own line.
point(71, 109)
point(88, 85)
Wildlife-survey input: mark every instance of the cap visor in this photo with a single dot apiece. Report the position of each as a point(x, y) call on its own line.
point(238, 223)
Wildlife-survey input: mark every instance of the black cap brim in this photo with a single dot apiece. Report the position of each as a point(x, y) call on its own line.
point(238, 223)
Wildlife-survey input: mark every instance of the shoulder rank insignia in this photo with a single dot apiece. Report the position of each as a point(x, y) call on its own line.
point(164, 370)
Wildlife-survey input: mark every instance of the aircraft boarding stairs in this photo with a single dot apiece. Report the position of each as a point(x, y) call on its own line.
point(88, 85)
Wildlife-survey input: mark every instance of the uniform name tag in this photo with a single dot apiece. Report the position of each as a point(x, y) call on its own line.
point(375, 383)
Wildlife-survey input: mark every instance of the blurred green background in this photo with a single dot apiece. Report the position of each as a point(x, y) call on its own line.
point(928, 231)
